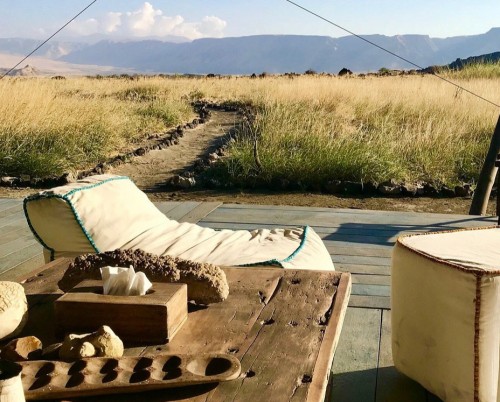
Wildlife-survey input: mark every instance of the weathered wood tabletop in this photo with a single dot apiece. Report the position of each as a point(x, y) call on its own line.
point(283, 325)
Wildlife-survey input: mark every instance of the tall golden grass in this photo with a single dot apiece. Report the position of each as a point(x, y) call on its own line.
point(408, 128)
point(48, 126)
point(310, 128)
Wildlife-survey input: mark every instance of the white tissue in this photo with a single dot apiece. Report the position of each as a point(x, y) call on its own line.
point(120, 281)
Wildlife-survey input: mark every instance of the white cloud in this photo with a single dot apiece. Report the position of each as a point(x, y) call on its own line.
point(148, 21)
point(111, 22)
point(212, 26)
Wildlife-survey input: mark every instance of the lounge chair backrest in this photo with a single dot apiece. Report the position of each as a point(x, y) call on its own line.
point(98, 213)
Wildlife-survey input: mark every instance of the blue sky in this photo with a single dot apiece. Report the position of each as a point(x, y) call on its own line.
point(223, 18)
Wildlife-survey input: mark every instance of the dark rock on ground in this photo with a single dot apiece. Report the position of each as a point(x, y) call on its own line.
point(412, 190)
point(390, 187)
point(333, 187)
point(447, 192)
point(463, 191)
point(183, 182)
point(352, 187)
point(369, 187)
point(430, 189)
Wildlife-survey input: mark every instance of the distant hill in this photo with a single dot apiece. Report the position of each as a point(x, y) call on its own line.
point(51, 50)
point(26, 71)
point(485, 58)
point(46, 67)
point(269, 53)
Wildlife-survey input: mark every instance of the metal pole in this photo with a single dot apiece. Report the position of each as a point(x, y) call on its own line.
point(487, 176)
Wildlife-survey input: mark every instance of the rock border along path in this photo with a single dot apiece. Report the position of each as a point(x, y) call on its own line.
point(152, 171)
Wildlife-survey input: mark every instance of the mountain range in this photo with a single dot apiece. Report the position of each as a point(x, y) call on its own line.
point(262, 53)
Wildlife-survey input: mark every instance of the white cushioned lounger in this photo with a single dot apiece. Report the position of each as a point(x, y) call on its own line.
point(446, 312)
point(107, 212)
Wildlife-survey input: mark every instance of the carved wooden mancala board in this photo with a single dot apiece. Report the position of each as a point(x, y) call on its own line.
point(103, 375)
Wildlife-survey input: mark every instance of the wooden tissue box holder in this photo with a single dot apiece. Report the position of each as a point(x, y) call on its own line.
point(150, 319)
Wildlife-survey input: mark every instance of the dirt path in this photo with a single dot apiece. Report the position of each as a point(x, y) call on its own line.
point(151, 171)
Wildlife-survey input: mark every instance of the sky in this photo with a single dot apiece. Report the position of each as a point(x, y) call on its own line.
point(196, 19)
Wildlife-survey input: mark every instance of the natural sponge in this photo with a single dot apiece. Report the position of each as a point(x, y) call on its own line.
point(206, 283)
point(13, 309)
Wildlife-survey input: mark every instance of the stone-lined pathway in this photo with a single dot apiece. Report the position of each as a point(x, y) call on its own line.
point(151, 171)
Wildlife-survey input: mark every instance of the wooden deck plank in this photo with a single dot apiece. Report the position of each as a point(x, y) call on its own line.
point(23, 268)
point(18, 256)
point(371, 279)
point(12, 210)
point(9, 206)
point(20, 224)
point(393, 386)
point(10, 235)
point(365, 289)
point(354, 370)
point(352, 211)
point(16, 217)
point(327, 219)
point(182, 209)
point(342, 243)
point(352, 259)
point(361, 251)
point(8, 202)
point(166, 207)
point(370, 302)
point(363, 269)
point(362, 240)
point(23, 240)
point(199, 212)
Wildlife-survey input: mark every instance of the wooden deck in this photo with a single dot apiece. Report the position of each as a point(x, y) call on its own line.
point(359, 242)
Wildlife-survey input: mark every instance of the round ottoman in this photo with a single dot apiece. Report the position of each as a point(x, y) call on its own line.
point(446, 312)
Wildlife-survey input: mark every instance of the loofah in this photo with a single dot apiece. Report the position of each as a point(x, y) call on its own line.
point(207, 283)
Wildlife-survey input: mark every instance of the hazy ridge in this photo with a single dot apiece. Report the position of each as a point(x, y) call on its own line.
point(269, 53)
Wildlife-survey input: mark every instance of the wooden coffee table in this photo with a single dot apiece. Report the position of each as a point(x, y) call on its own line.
point(283, 325)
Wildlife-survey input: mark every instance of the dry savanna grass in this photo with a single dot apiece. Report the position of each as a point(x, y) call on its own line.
point(48, 126)
point(310, 129)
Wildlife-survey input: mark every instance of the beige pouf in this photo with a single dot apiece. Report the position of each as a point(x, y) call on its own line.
point(446, 312)
point(13, 309)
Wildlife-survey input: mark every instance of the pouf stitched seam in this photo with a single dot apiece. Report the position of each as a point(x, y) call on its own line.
point(477, 316)
point(445, 262)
